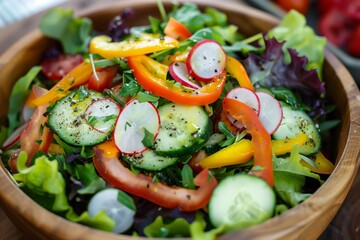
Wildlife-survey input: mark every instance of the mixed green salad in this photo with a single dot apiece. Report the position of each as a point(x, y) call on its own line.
point(180, 128)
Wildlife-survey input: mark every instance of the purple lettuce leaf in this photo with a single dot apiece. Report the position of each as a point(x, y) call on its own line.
point(270, 70)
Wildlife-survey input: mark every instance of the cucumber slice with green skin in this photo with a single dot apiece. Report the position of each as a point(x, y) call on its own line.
point(149, 160)
point(183, 130)
point(295, 122)
point(240, 201)
point(67, 119)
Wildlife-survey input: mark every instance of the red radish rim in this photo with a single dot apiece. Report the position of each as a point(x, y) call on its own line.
point(193, 50)
point(185, 82)
point(103, 99)
point(281, 111)
point(14, 136)
point(155, 135)
point(250, 91)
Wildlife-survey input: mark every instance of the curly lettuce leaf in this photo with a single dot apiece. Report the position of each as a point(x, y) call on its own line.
point(290, 177)
point(73, 33)
point(160, 229)
point(18, 96)
point(44, 184)
point(269, 69)
point(198, 229)
point(297, 35)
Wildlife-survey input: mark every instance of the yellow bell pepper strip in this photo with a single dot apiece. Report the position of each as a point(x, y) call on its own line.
point(237, 153)
point(78, 76)
point(324, 166)
point(151, 75)
point(261, 139)
point(176, 57)
point(145, 44)
point(281, 147)
point(237, 70)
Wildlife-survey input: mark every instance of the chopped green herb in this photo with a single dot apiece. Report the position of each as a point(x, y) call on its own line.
point(148, 139)
point(126, 200)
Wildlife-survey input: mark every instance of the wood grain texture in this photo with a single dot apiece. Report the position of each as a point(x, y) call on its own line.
point(306, 221)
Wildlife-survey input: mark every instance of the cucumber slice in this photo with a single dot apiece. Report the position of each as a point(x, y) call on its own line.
point(67, 119)
point(183, 130)
point(295, 122)
point(149, 160)
point(240, 201)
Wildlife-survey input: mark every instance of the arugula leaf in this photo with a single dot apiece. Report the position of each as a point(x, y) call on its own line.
point(73, 33)
point(130, 86)
point(18, 96)
point(148, 139)
point(147, 97)
point(126, 200)
point(187, 177)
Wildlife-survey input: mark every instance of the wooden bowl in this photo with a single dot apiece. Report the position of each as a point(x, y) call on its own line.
point(306, 221)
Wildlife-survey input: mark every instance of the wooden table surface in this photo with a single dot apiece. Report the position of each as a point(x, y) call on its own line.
point(345, 225)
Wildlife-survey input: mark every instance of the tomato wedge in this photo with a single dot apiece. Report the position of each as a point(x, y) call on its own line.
point(103, 78)
point(112, 170)
point(56, 68)
point(177, 30)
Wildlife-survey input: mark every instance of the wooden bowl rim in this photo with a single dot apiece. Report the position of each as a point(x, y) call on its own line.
point(49, 219)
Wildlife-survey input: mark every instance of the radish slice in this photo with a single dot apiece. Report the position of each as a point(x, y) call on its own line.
point(271, 113)
point(131, 124)
point(102, 114)
point(28, 109)
point(14, 136)
point(246, 96)
point(180, 73)
point(206, 60)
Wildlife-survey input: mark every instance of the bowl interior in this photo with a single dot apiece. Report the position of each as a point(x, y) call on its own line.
point(32, 218)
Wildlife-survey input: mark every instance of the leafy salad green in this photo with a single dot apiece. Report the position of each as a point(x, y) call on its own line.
point(156, 136)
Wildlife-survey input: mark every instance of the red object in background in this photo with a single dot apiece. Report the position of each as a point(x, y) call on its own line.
point(299, 5)
point(354, 45)
point(56, 68)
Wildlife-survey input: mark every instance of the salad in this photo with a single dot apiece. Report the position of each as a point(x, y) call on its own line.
point(180, 128)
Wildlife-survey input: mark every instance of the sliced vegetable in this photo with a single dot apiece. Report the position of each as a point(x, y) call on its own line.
point(78, 76)
point(102, 113)
point(135, 119)
point(67, 118)
point(246, 96)
point(29, 108)
point(112, 170)
point(260, 138)
point(107, 200)
point(237, 70)
point(240, 201)
point(57, 67)
point(179, 72)
point(146, 43)
point(295, 122)
point(183, 130)
point(14, 136)
point(176, 30)
point(323, 165)
point(271, 113)
point(206, 60)
point(102, 78)
point(151, 75)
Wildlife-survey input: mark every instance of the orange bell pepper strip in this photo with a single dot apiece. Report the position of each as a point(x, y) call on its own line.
point(78, 76)
point(324, 166)
point(151, 75)
point(237, 70)
point(145, 44)
point(177, 30)
point(109, 167)
point(261, 139)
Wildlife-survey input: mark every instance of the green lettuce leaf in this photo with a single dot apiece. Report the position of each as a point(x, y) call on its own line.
point(198, 232)
point(158, 228)
point(302, 38)
point(73, 33)
point(18, 96)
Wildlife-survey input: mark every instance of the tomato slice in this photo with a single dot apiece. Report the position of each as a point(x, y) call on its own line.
point(56, 68)
point(299, 5)
point(177, 30)
point(113, 171)
point(104, 78)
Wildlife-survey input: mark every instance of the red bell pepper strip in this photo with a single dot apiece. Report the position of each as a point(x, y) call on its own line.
point(112, 170)
point(177, 30)
point(151, 75)
point(261, 139)
point(237, 71)
point(78, 76)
